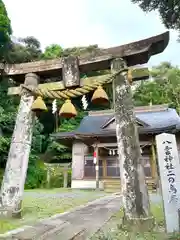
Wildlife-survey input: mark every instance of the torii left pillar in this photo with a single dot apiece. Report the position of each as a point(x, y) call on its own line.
point(16, 167)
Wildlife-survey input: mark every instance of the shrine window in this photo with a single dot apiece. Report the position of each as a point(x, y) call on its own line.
point(112, 165)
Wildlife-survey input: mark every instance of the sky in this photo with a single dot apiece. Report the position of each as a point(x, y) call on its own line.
point(83, 22)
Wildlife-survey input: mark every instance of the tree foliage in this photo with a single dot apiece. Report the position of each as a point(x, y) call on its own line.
point(164, 88)
point(5, 30)
point(36, 174)
point(80, 51)
point(57, 152)
point(53, 51)
point(8, 107)
point(168, 10)
point(24, 50)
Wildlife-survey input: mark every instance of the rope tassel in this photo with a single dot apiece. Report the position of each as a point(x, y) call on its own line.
point(68, 110)
point(65, 94)
point(100, 96)
point(39, 105)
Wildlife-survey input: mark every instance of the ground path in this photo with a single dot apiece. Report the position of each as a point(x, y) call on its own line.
point(81, 222)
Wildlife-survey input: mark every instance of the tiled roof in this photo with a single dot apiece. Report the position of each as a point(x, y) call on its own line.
point(165, 118)
point(161, 119)
point(156, 121)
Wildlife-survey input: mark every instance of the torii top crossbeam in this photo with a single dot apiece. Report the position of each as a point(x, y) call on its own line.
point(134, 53)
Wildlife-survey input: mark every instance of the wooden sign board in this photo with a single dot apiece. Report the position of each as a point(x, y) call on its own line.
point(169, 168)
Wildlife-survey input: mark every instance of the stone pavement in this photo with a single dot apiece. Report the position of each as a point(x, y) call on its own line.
point(78, 224)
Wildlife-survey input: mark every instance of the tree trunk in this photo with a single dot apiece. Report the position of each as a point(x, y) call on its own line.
point(16, 167)
point(134, 190)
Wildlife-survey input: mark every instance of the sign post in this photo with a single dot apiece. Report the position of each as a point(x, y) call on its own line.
point(169, 169)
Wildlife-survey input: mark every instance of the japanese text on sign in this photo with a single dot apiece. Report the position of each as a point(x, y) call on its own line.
point(169, 174)
point(170, 170)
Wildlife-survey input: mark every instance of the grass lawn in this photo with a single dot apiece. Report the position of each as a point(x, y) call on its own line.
point(36, 205)
point(53, 190)
point(114, 231)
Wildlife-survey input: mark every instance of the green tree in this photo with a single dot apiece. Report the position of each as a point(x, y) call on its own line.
point(53, 51)
point(80, 51)
point(5, 31)
point(57, 152)
point(36, 174)
point(168, 10)
point(33, 47)
point(164, 88)
point(24, 50)
point(8, 107)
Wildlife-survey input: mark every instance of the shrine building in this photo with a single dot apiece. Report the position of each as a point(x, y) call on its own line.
point(98, 129)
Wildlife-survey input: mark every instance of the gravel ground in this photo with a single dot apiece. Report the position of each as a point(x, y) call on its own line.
point(155, 198)
point(74, 194)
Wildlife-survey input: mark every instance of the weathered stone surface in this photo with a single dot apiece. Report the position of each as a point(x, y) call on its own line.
point(16, 168)
point(84, 223)
point(135, 53)
point(134, 190)
point(34, 232)
point(138, 224)
point(67, 233)
point(137, 74)
point(52, 222)
point(70, 71)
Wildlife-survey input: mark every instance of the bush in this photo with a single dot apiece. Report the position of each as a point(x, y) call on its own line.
point(57, 181)
point(69, 177)
point(36, 174)
point(1, 175)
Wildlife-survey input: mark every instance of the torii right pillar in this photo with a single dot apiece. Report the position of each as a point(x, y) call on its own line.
point(135, 197)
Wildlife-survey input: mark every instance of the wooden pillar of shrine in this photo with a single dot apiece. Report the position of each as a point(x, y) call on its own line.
point(17, 163)
point(153, 162)
point(154, 166)
point(96, 162)
point(65, 177)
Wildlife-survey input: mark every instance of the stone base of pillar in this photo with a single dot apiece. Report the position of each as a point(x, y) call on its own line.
point(18, 211)
point(11, 212)
point(138, 224)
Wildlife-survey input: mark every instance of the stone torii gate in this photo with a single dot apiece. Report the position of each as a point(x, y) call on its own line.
point(118, 59)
